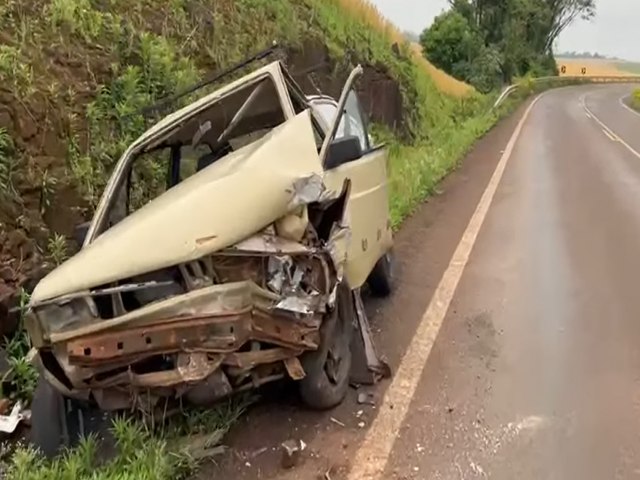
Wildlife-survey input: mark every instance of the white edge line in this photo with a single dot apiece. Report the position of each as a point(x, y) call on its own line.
point(611, 137)
point(607, 129)
point(627, 107)
point(372, 456)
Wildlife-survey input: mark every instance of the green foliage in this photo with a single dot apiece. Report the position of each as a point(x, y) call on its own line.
point(57, 248)
point(15, 70)
point(142, 453)
point(47, 190)
point(635, 99)
point(488, 42)
point(452, 44)
point(8, 165)
point(77, 16)
point(22, 375)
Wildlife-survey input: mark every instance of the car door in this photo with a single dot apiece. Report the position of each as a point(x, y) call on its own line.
point(368, 203)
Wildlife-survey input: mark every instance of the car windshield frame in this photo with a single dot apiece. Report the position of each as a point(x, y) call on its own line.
point(147, 142)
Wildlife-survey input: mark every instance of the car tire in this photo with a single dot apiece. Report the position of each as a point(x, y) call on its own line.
point(47, 422)
point(380, 279)
point(328, 369)
point(57, 422)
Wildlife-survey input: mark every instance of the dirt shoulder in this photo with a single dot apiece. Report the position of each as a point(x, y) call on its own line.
point(423, 248)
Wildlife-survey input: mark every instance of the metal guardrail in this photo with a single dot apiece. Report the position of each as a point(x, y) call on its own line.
point(565, 81)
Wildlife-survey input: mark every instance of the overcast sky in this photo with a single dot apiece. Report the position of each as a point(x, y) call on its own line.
point(615, 31)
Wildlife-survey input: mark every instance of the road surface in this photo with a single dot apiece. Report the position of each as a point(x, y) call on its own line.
point(514, 333)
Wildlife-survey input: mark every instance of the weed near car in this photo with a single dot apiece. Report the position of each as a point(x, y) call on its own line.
point(163, 453)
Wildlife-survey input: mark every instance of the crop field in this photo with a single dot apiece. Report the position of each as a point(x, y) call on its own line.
point(629, 67)
point(593, 67)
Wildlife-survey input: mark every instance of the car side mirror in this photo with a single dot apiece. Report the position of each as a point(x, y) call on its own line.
point(343, 150)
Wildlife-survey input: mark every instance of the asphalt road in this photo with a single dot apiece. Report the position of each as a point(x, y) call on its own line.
point(519, 359)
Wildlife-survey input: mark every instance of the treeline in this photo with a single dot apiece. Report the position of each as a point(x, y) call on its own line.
point(489, 42)
point(588, 55)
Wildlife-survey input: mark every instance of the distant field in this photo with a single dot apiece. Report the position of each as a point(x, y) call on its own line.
point(631, 67)
point(593, 67)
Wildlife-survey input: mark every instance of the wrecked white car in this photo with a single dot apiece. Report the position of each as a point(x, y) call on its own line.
point(246, 268)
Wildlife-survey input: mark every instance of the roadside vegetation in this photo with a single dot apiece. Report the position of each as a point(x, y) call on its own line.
point(74, 75)
point(635, 99)
point(487, 43)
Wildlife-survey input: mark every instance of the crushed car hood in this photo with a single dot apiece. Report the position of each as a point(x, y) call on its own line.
point(216, 208)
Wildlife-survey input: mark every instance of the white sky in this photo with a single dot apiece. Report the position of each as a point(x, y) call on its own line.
point(615, 31)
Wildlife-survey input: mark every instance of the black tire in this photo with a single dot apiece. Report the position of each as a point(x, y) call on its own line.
point(328, 369)
point(380, 279)
point(47, 422)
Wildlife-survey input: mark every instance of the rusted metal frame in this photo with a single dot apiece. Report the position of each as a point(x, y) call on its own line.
point(157, 309)
point(247, 360)
point(203, 366)
point(213, 334)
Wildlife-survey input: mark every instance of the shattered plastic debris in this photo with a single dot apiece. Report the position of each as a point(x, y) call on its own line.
point(270, 243)
point(307, 190)
point(337, 246)
point(291, 452)
point(279, 268)
point(9, 423)
point(299, 304)
point(366, 398)
point(288, 284)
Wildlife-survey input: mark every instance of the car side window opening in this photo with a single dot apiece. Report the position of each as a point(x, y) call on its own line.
point(352, 122)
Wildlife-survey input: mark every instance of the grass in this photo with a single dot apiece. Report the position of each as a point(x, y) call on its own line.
point(635, 99)
point(22, 375)
point(143, 453)
point(16, 70)
point(57, 248)
point(8, 165)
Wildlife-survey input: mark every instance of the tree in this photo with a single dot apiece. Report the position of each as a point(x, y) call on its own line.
point(451, 43)
point(486, 42)
point(564, 13)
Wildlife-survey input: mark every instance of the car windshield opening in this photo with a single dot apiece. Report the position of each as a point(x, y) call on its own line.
point(234, 121)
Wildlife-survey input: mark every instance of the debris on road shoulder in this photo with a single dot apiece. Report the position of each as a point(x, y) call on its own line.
point(9, 423)
point(291, 452)
point(366, 398)
point(337, 422)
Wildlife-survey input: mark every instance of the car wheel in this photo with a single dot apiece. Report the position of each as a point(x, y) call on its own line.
point(47, 427)
point(380, 279)
point(56, 421)
point(327, 369)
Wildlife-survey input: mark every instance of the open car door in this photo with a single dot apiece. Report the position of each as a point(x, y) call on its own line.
point(347, 153)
